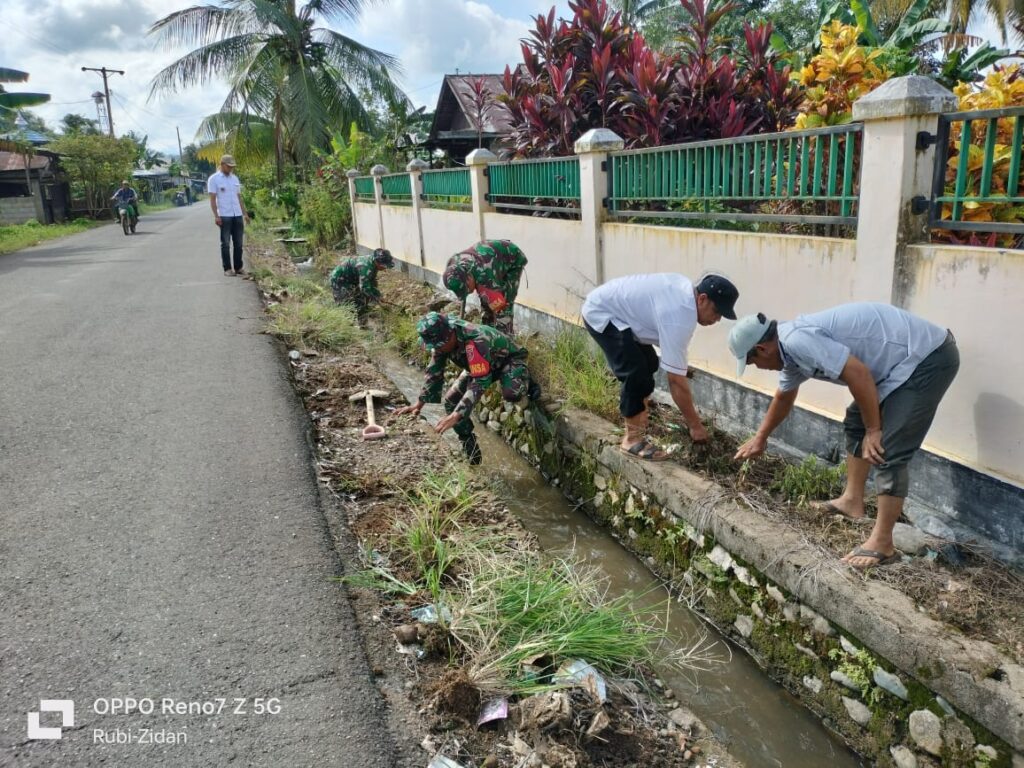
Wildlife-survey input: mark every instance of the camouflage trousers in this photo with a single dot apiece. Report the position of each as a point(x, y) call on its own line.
point(501, 320)
point(514, 379)
point(346, 295)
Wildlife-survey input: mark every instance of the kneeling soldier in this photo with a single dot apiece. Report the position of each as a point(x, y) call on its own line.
point(485, 355)
point(354, 281)
point(493, 269)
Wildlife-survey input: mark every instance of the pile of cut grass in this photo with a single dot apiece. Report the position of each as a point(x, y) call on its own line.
point(315, 323)
point(512, 608)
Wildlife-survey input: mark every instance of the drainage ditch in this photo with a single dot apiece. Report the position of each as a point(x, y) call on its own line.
point(758, 721)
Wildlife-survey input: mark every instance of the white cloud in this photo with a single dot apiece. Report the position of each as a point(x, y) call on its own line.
point(53, 39)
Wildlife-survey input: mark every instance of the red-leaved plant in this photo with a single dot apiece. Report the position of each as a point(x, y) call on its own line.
point(594, 71)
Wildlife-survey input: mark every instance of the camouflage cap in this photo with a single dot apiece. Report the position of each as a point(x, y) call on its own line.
point(384, 258)
point(434, 330)
point(456, 276)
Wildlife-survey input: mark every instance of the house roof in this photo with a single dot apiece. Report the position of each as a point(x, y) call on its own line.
point(14, 161)
point(453, 115)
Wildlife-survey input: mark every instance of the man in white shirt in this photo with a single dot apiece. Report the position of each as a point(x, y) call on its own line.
point(229, 213)
point(629, 315)
point(897, 367)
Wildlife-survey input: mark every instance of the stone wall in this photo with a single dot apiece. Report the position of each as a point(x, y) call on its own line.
point(17, 210)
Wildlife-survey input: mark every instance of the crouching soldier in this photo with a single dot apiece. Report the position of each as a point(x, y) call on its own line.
point(354, 281)
point(493, 269)
point(485, 356)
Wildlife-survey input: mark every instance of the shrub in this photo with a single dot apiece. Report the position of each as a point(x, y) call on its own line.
point(325, 213)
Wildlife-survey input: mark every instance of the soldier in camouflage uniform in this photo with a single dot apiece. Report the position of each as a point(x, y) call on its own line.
point(485, 355)
point(492, 268)
point(354, 281)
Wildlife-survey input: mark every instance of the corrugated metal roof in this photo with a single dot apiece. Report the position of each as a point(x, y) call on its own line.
point(455, 106)
point(13, 161)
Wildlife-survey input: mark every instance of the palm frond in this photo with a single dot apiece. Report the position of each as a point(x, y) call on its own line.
point(338, 10)
point(206, 63)
point(201, 25)
point(12, 75)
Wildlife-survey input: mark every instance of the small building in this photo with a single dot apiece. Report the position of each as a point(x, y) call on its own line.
point(38, 192)
point(454, 129)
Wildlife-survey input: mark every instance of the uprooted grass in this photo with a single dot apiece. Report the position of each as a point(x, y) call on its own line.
point(510, 605)
point(314, 323)
point(572, 370)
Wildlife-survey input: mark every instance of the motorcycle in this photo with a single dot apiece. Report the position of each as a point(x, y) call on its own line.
point(180, 199)
point(126, 215)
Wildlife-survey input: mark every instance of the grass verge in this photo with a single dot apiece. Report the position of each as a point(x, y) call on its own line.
point(314, 323)
point(571, 369)
point(18, 236)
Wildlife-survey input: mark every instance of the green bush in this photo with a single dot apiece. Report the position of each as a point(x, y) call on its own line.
point(315, 324)
point(325, 214)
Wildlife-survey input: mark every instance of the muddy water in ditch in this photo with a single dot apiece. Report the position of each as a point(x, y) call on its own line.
point(757, 720)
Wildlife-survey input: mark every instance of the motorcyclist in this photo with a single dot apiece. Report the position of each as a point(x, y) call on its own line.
point(128, 196)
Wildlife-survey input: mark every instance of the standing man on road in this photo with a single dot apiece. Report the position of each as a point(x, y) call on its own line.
point(897, 367)
point(229, 213)
point(627, 316)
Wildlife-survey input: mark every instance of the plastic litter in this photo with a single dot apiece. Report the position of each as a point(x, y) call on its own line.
point(412, 650)
point(428, 614)
point(579, 672)
point(495, 709)
point(440, 761)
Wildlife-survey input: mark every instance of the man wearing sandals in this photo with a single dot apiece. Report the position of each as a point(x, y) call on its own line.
point(627, 316)
point(897, 367)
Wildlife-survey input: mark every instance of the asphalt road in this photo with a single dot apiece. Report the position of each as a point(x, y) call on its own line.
point(161, 537)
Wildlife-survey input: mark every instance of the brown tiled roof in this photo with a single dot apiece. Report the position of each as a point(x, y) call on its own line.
point(454, 106)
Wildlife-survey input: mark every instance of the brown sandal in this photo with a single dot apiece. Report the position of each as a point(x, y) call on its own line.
point(645, 449)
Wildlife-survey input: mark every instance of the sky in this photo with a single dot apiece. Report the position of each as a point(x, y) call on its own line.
point(53, 39)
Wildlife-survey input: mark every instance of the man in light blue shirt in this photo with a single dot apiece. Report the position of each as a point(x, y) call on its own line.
point(897, 367)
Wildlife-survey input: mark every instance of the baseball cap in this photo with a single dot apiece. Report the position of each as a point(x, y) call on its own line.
point(722, 292)
point(456, 275)
point(745, 335)
point(227, 160)
point(384, 258)
point(433, 329)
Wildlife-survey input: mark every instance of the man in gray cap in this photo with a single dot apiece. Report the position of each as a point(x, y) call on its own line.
point(897, 367)
point(627, 316)
point(228, 213)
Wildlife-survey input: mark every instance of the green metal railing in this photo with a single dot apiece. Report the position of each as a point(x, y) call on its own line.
point(448, 188)
point(815, 171)
point(535, 185)
point(984, 193)
point(396, 188)
point(364, 189)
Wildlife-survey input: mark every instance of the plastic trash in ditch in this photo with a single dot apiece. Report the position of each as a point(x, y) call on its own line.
point(440, 761)
point(428, 614)
point(495, 709)
point(578, 672)
point(412, 649)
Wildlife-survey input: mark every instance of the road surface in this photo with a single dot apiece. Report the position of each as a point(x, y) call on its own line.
point(161, 538)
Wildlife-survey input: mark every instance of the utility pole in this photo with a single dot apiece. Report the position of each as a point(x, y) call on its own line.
point(106, 91)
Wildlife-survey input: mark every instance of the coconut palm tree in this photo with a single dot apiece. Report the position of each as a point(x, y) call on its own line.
point(283, 69)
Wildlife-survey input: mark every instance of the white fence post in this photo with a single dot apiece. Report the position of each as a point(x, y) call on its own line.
point(593, 148)
point(477, 161)
point(351, 175)
point(378, 196)
point(415, 169)
point(894, 171)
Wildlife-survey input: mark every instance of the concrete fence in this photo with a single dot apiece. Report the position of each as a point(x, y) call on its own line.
point(17, 210)
point(971, 476)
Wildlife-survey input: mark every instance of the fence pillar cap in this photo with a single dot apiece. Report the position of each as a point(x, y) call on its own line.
point(379, 170)
point(481, 157)
point(598, 140)
point(417, 165)
point(352, 173)
point(909, 96)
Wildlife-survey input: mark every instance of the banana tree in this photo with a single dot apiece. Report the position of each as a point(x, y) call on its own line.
point(10, 103)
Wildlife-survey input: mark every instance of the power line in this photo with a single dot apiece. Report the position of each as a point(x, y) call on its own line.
point(104, 72)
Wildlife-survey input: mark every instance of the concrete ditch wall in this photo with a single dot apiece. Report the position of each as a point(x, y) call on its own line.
point(894, 682)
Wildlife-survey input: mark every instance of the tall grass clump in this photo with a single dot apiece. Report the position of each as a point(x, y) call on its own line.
point(810, 480)
point(574, 370)
point(557, 610)
point(315, 323)
point(400, 331)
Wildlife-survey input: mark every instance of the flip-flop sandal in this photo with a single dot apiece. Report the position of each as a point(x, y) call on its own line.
point(645, 449)
point(880, 558)
point(828, 508)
